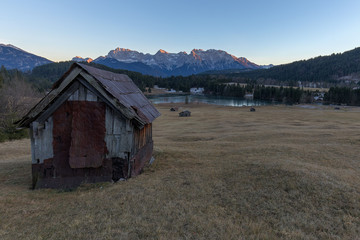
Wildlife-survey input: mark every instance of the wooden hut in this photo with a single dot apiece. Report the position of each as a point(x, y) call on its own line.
point(94, 125)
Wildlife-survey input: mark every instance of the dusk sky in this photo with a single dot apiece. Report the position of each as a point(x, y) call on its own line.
point(264, 32)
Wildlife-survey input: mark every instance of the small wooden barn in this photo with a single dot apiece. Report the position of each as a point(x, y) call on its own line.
point(94, 125)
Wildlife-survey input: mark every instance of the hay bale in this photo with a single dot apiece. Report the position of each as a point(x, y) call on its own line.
point(185, 113)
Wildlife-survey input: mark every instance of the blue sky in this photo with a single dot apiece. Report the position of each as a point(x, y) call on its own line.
point(264, 32)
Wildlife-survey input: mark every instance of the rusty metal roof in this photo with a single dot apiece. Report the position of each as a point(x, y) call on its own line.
point(129, 99)
point(125, 91)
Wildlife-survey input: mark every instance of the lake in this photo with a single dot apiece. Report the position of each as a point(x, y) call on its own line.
point(217, 100)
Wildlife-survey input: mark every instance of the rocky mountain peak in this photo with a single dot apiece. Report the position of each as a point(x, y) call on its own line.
point(123, 50)
point(162, 51)
point(80, 59)
point(167, 64)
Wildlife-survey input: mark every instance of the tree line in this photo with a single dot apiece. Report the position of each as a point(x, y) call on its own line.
point(20, 91)
point(327, 70)
point(343, 95)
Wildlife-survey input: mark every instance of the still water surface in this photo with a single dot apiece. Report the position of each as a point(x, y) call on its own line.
point(218, 100)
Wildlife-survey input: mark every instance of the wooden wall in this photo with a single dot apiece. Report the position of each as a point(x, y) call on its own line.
point(141, 137)
point(119, 135)
point(41, 140)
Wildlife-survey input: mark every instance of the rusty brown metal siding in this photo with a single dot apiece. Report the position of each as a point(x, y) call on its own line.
point(88, 147)
point(59, 171)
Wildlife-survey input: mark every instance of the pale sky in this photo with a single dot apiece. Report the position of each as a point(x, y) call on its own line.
point(265, 32)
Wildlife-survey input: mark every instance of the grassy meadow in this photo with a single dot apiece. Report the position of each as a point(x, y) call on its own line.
point(282, 172)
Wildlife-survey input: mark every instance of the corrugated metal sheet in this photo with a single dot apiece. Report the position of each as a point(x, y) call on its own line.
point(123, 89)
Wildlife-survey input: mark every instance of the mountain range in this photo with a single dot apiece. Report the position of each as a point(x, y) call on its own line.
point(160, 64)
point(12, 57)
point(166, 64)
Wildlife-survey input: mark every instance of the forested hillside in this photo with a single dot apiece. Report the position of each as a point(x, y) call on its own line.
point(44, 76)
point(330, 69)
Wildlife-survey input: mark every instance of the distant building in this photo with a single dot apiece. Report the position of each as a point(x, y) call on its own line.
point(171, 91)
point(93, 126)
point(199, 90)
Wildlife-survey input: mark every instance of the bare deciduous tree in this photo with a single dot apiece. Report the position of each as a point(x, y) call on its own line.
point(16, 99)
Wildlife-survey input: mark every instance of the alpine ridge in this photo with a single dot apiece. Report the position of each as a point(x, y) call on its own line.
point(166, 64)
point(162, 63)
point(80, 59)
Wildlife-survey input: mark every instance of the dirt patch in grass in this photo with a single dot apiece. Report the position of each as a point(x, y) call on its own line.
point(224, 173)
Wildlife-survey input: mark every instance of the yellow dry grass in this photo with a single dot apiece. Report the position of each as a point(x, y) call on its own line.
point(224, 173)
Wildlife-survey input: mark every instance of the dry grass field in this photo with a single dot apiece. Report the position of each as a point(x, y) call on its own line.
point(282, 172)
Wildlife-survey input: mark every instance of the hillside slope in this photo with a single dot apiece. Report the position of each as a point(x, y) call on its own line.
point(332, 68)
point(12, 57)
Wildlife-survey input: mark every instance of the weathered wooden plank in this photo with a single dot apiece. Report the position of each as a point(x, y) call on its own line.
point(116, 146)
point(90, 96)
point(108, 141)
point(42, 141)
point(36, 142)
point(47, 139)
point(113, 144)
point(61, 99)
point(109, 101)
point(118, 125)
point(74, 96)
point(38, 108)
point(82, 93)
point(32, 144)
point(116, 135)
point(100, 93)
point(109, 120)
point(128, 125)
